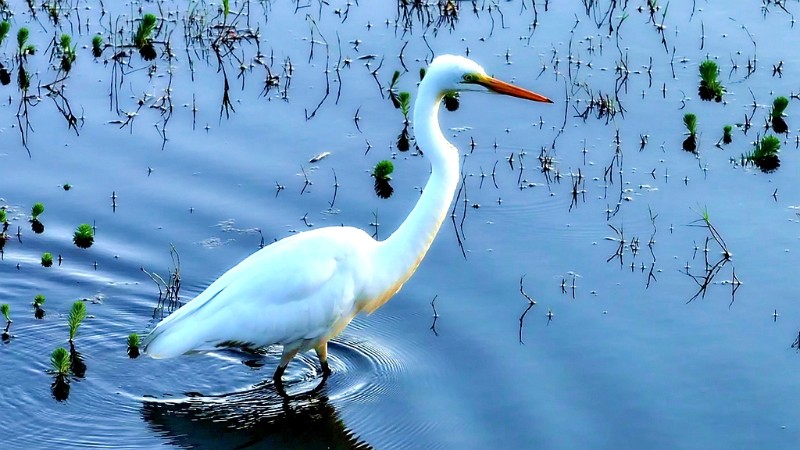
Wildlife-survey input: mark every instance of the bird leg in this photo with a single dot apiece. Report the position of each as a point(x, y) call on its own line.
point(322, 354)
point(286, 357)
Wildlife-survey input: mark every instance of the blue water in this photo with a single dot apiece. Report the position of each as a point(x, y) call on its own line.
point(618, 364)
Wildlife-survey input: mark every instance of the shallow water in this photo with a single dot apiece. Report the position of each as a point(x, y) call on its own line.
point(623, 360)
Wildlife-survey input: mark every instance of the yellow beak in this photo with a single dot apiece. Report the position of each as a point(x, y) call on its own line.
point(501, 87)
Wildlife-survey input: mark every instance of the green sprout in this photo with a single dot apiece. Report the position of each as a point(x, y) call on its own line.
point(97, 46)
point(38, 312)
point(143, 39)
point(727, 138)
point(76, 316)
point(226, 8)
point(690, 121)
point(3, 218)
point(5, 27)
point(133, 340)
point(405, 102)
point(5, 309)
point(47, 259)
point(383, 170)
point(67, 52)
point(25, 49)
point(765, 154)
point(37, 210)
point(84, 236)
point(59, 360)
point(710, 87)
point(382, 174)
point(778, 107)
point(133, 345)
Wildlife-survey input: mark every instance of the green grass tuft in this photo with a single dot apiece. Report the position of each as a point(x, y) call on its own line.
point(84, 236)
point(59, 360)
point(76, 316)
point(690, 121)
point(5, 27)
point(5, 309)
point(22, 38)
point(779, 106)
point(47, 259)
point(133, 340)
point(709, 71)
point(144, 33)
point(97, 46)
point(38, 208)
point(3, 218)
point(383, 170)
point(405, 102)
point(38, 300)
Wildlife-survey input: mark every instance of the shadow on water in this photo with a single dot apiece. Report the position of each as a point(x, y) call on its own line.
point(259, 416)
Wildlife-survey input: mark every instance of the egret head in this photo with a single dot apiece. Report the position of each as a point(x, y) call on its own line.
point(456, 73)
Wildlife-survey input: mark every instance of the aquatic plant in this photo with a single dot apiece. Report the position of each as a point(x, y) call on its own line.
point(5, 27)
point(47, 259)
point(76, 316)
point(143, 39)
point(393, 89)
point(779, 105)
point(59, 361)
point(38, 311)
point(97, 46)
point(690, 143)
point(37, 210)
point(710, 88)
point(405, 103)
point(84, 236)
point(24, 48)
point(765, 154)
point(226, 8)
point(727, 138)
point(67, 52)
point(133, 345)
point(383, 170)
point(5, 310)
point(3, 217)
point(382, 174)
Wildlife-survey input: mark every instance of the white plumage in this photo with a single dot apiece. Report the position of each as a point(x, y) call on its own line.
point(303, 290)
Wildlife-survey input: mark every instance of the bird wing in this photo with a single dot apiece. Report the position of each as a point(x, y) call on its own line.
point(293, 290)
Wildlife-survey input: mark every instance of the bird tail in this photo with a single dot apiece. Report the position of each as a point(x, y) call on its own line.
point(167, 342)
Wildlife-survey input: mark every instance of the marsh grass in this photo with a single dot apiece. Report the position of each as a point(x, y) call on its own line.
point(710, 87)
point(690, 122)
point(779, 124)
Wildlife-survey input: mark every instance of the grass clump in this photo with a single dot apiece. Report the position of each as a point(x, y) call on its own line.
point(690, 122)
point(38, 301)
point(47, 259)
point(37, 210)
point(76, 316)
point(143, 39)
point(5, 310)
point(382, 174)
point(67, 52)
point(710, 87)
point(59, 361)
point(133, 345)
point(779, 105)
point(84, 236)
point(97, 46)
point(727, 138)
point(5, 27)
point(765, 154)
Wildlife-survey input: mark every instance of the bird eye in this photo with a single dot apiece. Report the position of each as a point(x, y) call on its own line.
point(470, 78)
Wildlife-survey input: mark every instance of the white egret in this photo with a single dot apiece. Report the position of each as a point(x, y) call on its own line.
point(303, 290)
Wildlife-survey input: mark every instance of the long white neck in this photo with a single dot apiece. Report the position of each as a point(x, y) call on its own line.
point(398, 256)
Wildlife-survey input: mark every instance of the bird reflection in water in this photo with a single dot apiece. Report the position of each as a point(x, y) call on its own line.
point(261, 417)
